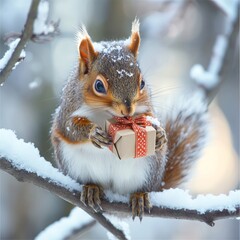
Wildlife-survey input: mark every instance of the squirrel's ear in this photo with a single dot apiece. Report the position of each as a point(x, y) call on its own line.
point(134, 40)
point(87, 54)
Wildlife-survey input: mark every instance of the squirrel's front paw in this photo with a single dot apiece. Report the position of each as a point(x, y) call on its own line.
point(161, 138)
point(99, 137)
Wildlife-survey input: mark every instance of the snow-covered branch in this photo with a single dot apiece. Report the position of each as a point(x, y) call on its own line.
point(22, 160)
point(35, 29)
point(75, 224)
point(222, 54)
point(26, 35)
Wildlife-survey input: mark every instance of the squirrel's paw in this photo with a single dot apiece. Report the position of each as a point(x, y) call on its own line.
point(138, 202)
point(161, 138)
point(91, 195)
point(100, 138)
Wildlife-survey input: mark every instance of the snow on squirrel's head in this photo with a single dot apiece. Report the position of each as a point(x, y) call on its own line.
point(110, 73)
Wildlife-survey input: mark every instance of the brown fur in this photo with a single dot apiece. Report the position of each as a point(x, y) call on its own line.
point(59, 136)
point(87, 54)
point(134, 44)
point(180, 157)
point(80, 121)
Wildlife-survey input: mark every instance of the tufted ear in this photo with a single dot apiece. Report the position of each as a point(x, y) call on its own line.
point(87, 54)
point(134, 40)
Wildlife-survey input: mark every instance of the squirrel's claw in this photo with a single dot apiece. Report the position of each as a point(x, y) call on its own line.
point(139, 202)
point(161, 138)
point(91, 195)
point(100, 138)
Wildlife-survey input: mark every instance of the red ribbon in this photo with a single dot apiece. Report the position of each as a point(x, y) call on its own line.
point(138, 125)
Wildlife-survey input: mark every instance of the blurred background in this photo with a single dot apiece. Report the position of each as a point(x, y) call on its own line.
point(175, 35)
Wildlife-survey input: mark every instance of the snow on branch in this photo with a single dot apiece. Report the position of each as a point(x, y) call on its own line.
point(222, 53)
point(42, 29)
point(22, 160)
point(76, 223)
point(228, 7)
point(12, 46)
point(36, 29)
point(26, 35)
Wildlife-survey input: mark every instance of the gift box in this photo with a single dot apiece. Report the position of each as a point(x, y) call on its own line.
point(132, 137)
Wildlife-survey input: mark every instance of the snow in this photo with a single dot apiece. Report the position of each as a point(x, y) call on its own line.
point(25, 156)
point(127, 42)
point(98, 47)
point(229, 7)
point(40, 24)
point(203, 78)
point(153, 120)
point(119, 224)
point(115, 197)
point(210, 78)
point(65, 226)
point(114, 51)
point(12, 45)
point(181, 199)
point(123, 72)
point(35, 83)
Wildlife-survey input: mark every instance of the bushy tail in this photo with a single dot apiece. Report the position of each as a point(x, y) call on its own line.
point(187, 129)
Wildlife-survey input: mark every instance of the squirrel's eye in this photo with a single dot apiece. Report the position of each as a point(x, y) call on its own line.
point(142, 85)
point(99, 86)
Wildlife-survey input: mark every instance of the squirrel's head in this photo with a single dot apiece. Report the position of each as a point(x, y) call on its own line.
point(111, 76)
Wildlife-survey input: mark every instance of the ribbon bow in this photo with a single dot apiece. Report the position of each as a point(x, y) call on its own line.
point(138, 125)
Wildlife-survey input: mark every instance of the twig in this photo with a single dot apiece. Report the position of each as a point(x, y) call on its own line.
point(112, 208)
point(26, 35)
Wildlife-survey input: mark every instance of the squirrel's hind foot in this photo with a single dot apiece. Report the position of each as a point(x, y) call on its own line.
point(139, 202)
point(91, 195)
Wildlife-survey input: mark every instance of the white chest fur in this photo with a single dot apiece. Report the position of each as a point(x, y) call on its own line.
point(88, 164)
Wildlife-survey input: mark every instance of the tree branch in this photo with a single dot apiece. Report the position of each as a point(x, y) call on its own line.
point(72, 197)
point(26, 35)
point(80, 231)
point(228, 59)
point(69, 227)
point(221, 61)
point(36, 29)
point(114, 208)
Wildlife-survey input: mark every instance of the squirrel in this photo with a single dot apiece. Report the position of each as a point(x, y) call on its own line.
point(106, 82)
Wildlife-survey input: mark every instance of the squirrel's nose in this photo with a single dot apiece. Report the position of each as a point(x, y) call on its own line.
point(128, 109)
point(127, 103)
